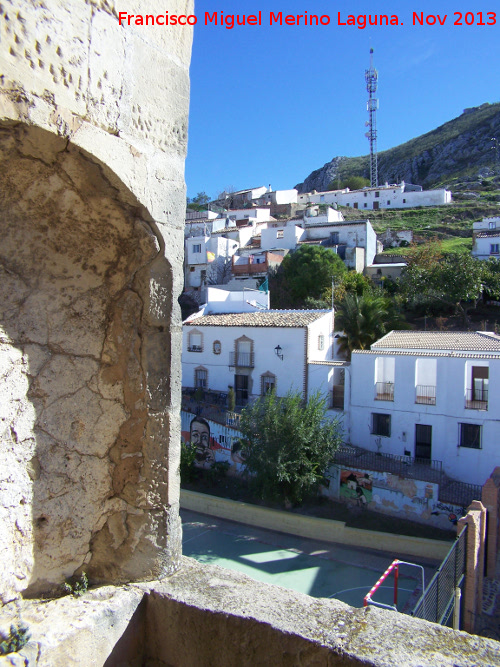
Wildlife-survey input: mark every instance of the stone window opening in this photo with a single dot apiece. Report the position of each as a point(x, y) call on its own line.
point(267, 383)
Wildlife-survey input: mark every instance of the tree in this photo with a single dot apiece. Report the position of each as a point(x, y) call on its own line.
point(198, 203)
point(289, 444)
point(365, 319)
point(309, 270)
point(220, 271)
point(456, 280)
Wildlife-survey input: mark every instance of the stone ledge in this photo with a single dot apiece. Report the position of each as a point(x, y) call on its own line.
point(206, 615)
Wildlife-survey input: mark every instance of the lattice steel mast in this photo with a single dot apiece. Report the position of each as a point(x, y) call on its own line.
point(371, 78)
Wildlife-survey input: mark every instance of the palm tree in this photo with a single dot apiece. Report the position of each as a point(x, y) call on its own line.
point(363, 320)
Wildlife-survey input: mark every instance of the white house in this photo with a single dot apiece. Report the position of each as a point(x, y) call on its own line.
point(486, 238)
point(254, 351)
point(431, 395)
point(355, 242)
point(201, 254)
point(399, 195)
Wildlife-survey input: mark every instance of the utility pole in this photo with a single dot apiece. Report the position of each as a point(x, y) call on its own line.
point(495, 148)
point(371, 78)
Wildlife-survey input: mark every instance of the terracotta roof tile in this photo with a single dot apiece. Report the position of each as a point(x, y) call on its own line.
point(265, 318)
point(440, 341)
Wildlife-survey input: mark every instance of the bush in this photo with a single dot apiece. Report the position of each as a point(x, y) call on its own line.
point(188, 470)
point(289, 445)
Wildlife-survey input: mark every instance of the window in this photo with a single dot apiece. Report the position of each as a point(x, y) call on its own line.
point(192, 268)
point(492, 225)
point(365, 194)
point(197, 247)
point(217, 347)
point(334, 238)
point(365, 205)
point(321, 342)
point(377, 194)
point(494, 248)
point(267, 383)
point(201, 378)
point(470, 436)
point(404, 201)
point(388, 202)
point(195, 341)
point(381, 424)
point(279, 234)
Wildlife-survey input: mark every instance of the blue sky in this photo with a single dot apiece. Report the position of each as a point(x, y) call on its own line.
point(270, 104)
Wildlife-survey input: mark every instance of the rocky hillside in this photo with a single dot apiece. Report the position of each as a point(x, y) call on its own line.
point(455, 151)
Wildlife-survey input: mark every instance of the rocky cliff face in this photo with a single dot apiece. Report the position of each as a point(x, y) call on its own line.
point(463, 146)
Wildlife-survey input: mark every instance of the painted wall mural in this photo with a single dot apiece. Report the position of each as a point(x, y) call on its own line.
point(391, 494)
point(213, 442)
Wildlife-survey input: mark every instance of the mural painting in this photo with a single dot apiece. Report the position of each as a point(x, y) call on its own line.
point(213, 442)
point(356, 486)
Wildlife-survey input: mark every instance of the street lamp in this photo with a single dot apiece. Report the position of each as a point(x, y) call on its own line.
point(278, 351)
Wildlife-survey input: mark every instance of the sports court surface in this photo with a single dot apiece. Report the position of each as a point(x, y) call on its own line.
point(320, 569)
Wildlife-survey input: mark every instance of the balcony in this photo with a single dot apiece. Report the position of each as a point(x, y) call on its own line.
point(338, 397)
point(195, 348)
point(241, 359)
point(249, 268)
point(425, 394)
point(384, 391)
point(476, 399)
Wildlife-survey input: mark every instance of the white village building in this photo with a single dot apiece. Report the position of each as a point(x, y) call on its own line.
point(429, 395)
point(401, 195)
point(256, 350)
point(486, 238)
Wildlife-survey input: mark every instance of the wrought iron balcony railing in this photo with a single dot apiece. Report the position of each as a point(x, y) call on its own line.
point(384, 391)
point(425, 394)
point(476, 399)
point(241, 359)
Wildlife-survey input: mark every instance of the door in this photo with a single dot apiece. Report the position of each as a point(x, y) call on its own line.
point(241, 386)
point(375, 205)
point(423, 441)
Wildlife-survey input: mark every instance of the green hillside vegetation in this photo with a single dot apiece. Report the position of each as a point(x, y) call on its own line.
point(451, 223)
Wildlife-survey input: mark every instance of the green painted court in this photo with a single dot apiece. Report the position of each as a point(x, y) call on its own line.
point(319, 569)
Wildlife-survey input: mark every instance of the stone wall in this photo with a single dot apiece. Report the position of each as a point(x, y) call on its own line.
point(93, 130)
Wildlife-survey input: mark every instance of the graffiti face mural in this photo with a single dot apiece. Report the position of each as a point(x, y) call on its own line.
point(356, 486)
point(199, 436)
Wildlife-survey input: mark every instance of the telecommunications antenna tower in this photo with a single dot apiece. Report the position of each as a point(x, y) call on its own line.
point(371, 78)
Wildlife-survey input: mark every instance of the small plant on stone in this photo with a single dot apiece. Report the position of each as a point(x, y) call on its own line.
point(18, 636)
point(77, 585)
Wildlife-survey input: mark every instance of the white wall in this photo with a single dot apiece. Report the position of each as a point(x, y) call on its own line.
point(391, 196)
point(289, 372)
point(291, 235)
point(469, 465)
point(223, 301)
point(482, 248)
point(486, 223)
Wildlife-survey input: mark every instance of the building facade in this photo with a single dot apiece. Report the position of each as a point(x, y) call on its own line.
point(254, 352)
point(430, 395)
point(401, 195)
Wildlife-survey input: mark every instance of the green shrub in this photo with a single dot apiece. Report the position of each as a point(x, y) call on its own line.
point(18, 636)
point(76, 586)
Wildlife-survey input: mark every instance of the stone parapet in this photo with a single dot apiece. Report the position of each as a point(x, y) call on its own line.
point(206, 615)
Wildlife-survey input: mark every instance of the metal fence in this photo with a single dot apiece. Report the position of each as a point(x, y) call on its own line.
point(437, 601)
point(459, 493)
point(451, 491)
point(404, 466)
